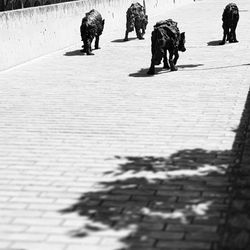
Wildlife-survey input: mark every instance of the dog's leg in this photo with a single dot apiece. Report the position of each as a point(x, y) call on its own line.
point(233, 37)
point(151, 70)
point(225, 34)
point(126, 36)
point(138, 33)
point(97, 42)
point(165, 60)
point(88, 48)
point(171, 61)
point(143, 31)
point(228, 35)
point(176, 57)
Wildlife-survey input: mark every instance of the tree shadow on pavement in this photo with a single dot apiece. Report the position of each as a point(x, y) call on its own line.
point(160, 201)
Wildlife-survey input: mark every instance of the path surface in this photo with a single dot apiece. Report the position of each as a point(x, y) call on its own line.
point(95, 154)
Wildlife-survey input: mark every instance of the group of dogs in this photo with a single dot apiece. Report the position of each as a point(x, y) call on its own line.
point(165, 37)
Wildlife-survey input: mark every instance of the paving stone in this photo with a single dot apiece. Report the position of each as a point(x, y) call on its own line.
point(36, 246)
point(192, 228)
point(202, 236)
point(167, 235)
point(183, 245)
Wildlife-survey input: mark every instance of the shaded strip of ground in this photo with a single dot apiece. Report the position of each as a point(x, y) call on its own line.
point(237, 235)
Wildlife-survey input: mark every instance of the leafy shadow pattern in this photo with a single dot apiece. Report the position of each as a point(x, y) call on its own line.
point(161, 202)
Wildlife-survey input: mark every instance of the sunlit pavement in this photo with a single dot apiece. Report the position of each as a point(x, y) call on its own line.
point(95, 154)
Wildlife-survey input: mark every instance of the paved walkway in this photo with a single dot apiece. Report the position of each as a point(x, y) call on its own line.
point(95, 154)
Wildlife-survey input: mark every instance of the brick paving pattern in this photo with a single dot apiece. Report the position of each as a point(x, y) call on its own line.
point(95, 154)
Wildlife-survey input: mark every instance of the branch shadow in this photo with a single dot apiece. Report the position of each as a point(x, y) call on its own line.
point(152, 201)
point(190, 65)
point(222, 67)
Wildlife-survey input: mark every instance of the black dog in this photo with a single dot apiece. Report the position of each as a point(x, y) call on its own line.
point(230, 20)
point(136, 19)
point(166, 37)
point(91, 27)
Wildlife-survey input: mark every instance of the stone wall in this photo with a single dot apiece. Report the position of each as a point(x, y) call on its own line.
point(33, 32)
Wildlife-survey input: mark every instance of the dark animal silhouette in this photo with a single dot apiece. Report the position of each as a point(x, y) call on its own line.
point(136, 19)
point(230, 20)
point(91, 27)
point(166, 37)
